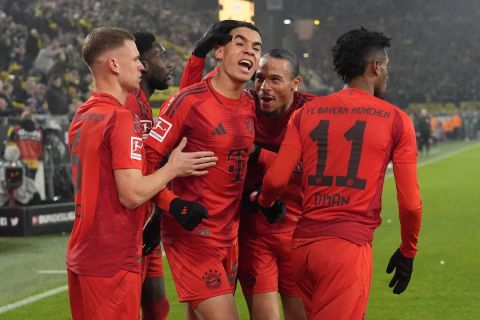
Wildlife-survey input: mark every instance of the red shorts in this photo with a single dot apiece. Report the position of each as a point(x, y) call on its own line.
point(152, 265)
point(201, 271)
point(93, 298)
point(334, 276)
point(264, 264)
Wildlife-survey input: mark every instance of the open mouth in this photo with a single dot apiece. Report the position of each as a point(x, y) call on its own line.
point(246, 64)
point(266, 98)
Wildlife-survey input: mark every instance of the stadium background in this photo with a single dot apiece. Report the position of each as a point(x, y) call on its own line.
point(434, 63)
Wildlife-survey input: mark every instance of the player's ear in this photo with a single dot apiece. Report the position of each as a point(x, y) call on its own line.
point(376, 67)
point(219, 52)
point(113, 65)
point(296, 83)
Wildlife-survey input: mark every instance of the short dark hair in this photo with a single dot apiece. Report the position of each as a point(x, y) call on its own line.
point(239, 24)
point(285, 54)
point(144, 41)
point(353, 50)
point(102, 39)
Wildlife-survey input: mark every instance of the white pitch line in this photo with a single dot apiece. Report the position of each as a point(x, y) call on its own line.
point(439, 158)
point(52, 271)
point(31, 299)
point(448, 155)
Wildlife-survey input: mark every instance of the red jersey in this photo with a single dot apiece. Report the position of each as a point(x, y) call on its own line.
point(103, 137)
point(269, 133)
point(215, 123)
point(138, 103)
point(347, 140)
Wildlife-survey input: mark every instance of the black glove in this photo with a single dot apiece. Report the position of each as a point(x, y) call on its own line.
point(403, 271)
point(253, 157)
point(274, 213)
point(151, 233)
point(217, 34)
point(188, 214)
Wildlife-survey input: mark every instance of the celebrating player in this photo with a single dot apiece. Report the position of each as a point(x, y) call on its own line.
point(218, 115)
point(346, 141)
point(155, 76)
point(104, 251)
point(264, 264)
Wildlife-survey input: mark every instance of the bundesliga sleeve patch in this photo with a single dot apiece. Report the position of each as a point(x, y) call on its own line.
point(161, 129)
point(136, 148)
point(146, 127)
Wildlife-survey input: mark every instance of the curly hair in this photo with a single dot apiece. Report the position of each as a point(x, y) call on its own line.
point(144, 41)
point(353, 49)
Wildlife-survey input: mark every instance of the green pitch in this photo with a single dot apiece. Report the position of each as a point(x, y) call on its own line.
point(445, 283)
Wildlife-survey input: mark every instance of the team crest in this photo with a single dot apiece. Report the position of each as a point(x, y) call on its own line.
point(212, 279)
point(136, 148)
point(249, 125)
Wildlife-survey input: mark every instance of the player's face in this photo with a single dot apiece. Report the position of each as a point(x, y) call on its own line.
point(129, 66)
point(158, 68)
point(239, 58)
point(380, 89)
point(275, 85)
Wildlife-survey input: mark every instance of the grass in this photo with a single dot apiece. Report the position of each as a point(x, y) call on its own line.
point(451, 206)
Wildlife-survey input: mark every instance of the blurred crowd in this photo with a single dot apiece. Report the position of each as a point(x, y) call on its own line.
point(40, 46)
point(434, 53)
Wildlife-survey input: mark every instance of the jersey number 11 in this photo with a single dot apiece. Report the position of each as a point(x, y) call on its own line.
point(351, 180)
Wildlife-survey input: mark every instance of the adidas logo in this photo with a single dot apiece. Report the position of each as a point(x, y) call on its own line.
point(219, 130)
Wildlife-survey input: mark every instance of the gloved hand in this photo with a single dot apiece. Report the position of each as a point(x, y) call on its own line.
point(217, 34)
point(189, 214)
point(151, 233)
point(403, 271)
point(253, 156)
point(273, 214)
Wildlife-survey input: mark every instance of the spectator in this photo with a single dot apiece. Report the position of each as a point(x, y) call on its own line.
point(29, 140)
point(424, 132)
point(57, 97)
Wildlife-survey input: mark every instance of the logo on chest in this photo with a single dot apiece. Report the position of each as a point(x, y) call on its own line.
point(237, 162)
point(219, 130)
point(249, 125)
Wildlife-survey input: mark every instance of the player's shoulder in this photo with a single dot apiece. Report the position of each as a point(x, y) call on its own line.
point(396, 110)
point(301, 97)
point(193, 91)
point(186, 96)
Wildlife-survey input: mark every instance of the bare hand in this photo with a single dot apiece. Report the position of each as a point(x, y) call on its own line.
point(185, 164)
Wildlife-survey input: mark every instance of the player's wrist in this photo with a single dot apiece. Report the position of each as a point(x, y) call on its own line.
point(169, 171)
